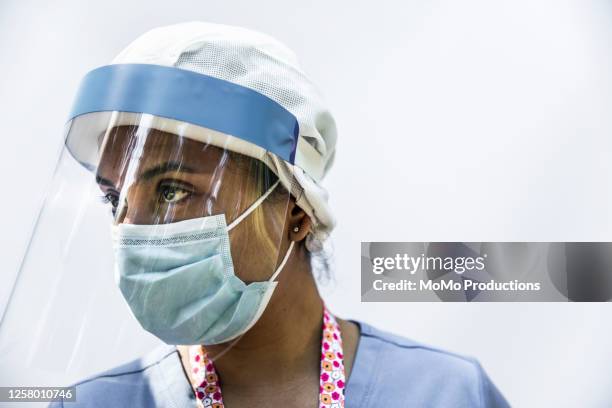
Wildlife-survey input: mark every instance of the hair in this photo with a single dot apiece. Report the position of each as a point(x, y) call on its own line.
point(319, 253)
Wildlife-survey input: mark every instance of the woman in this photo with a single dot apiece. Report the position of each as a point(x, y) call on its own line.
point(209, 144)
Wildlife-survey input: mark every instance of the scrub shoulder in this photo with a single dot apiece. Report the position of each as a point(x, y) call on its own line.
point(388, 370)
point(391, 370)
point(155, 380)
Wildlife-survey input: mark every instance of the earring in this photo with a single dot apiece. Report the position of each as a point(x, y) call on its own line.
point(296, 229)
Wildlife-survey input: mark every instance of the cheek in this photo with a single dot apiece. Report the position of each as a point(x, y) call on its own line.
point(254, 253)
point(196, 206)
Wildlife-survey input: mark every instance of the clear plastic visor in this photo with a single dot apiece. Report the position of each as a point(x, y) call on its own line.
point(66, 318)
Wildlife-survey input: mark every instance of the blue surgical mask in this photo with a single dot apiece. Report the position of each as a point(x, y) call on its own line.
point(179, 280)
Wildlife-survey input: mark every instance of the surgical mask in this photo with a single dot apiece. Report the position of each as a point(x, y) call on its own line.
point(179, 281)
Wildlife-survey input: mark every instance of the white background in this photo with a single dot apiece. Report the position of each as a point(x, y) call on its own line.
point(468, 121)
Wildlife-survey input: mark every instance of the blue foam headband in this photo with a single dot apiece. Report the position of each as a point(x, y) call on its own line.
point(191, 97)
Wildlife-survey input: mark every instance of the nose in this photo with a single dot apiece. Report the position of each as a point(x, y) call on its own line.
point(135, 208)
point(134, 214)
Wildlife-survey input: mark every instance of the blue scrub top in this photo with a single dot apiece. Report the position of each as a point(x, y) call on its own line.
point(388, 371)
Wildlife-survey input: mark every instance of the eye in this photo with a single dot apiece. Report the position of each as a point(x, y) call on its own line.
point(112, 199)
point(173, 194)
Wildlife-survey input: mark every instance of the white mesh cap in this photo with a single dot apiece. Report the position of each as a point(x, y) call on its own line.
point(259, 62)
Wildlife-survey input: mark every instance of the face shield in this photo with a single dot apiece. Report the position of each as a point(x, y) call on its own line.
point(157, 217)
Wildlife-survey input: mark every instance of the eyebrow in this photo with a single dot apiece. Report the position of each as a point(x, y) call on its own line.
point(164, 168)
point(152, 172)
point(104, 182)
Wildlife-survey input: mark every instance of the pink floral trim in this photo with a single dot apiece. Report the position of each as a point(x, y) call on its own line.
point(332, 380)
point(207, 387)
point(204, 379)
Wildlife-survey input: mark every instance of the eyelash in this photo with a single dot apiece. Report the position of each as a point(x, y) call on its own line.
point(106, 199)
point(110, 198)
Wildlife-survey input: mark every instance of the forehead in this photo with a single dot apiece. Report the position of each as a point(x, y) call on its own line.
point(125, 145)
point(126, 142)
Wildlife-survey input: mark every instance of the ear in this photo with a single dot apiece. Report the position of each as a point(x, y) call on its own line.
point(299, 223)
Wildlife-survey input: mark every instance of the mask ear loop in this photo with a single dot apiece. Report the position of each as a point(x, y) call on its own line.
point(283, 262)
point(274, 275)
point(252, 207)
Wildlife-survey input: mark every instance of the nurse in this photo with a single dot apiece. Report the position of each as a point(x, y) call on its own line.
point(209, 144)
